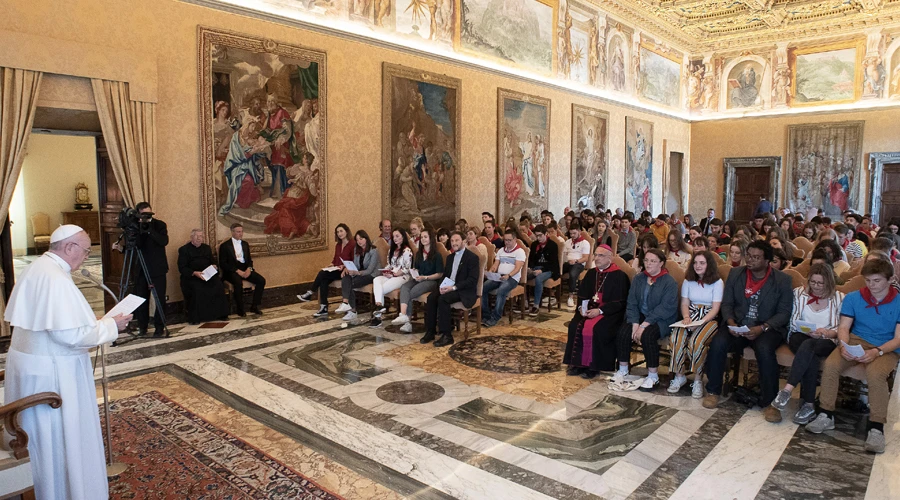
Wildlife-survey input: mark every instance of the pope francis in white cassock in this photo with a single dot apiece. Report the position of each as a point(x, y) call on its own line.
point(53, 330)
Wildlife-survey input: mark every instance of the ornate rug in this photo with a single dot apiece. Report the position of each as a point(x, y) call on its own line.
point(173, 453)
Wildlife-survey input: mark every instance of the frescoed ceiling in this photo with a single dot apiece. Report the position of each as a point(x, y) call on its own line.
point(717, 25)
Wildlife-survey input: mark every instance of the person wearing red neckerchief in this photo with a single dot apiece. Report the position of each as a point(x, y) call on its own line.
point(575, 256)
point(869, 319)
point(757, 299)
point(817, 312)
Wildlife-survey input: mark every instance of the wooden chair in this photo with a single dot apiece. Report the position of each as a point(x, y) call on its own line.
point(422, 299)
point(614, 239)
point(590, 262)
point(853, 285)
point(841, 267)
point(724, 271)
point(40, 225)
point(676, 271)
point(797, 279)
point(802, 268)
point(15, 466)
point(476, 307)
point(553, 284)
point(719, 259)
point(491, 250)
point(803, 244)
point(624, 266)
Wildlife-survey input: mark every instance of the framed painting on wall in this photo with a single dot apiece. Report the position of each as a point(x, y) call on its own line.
point(521, 33)
point(827, 74)
point(638, 165)
point(263, 145)
point(660, 76)
point(523, 154)
point(589, 158)
point(824, 165)
point(420, 146)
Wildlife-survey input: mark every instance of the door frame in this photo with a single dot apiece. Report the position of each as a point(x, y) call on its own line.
point(876, 176)
point(732, 164)
point(667, 179)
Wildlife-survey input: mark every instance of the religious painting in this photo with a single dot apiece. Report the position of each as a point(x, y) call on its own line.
point(744, 83)
point(659, 79)
point(577, 58)
point(426, 19)
point(617, 63)
point(827, 74)
point(420, 146)
point(638, 164)
point(589, 158)
point(263, 143)
point(824, 166)
point(895, 75)
point(516, 32)
point(523, 153)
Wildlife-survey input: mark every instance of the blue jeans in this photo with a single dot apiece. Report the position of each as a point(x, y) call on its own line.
point(539, 280)
point(574, 272)
point(503, 288)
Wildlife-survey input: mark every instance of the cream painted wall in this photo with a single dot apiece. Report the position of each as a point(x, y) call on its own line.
point(166, 31)
point(713, 141)
point(53, 166)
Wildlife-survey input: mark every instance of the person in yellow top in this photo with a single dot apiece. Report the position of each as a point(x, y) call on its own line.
point(660, 228)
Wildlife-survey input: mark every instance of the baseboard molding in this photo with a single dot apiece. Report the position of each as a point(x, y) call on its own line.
point(272, 297)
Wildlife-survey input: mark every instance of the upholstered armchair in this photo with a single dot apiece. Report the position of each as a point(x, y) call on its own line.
point(40, 225)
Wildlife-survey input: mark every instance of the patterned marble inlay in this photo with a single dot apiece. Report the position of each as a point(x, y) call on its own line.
point(593, 440)
point(328, 359)
point(410, 392)
point(510, 354)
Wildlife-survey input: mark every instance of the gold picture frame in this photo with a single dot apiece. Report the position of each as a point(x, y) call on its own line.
point(218, 52)
point(858, 45)
point(440, 163)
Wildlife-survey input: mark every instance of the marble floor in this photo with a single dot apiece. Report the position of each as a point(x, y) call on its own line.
point(372, 414)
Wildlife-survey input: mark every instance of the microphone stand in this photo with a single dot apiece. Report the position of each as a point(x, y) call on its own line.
point(112, 468)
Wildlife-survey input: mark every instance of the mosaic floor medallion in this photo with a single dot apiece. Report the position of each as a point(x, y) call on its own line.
point(510, 354)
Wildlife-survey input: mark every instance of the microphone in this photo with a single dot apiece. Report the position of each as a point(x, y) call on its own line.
point(87, 274)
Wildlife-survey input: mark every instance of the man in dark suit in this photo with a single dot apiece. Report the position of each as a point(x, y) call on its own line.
point(704, 223)
point(759, 298)
point(462, 269)
point(152, 245)
point(236, 265)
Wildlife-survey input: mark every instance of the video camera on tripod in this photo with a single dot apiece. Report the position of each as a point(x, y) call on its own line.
point(133, 224)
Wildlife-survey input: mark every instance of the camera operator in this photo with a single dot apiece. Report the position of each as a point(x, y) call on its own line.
point(151, 242)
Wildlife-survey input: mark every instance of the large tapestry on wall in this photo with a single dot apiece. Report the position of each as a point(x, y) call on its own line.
point(589, 158)
point(659, 79)
point(262, 126)
point(420, 145)
point(518, 32)
point(638, 164)
point(523, 153)
point(823, 167)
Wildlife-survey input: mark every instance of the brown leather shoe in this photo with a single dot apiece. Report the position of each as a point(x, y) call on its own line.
point(711, 401)
point(772, 414)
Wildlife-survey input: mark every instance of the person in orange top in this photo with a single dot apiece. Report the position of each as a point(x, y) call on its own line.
point(660, 228)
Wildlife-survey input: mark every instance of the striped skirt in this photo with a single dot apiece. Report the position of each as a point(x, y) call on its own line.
point(692, 344)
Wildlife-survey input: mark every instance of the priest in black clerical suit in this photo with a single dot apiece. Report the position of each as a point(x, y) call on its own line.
point(204, 300)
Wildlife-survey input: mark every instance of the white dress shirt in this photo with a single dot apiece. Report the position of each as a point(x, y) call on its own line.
point(238, 250)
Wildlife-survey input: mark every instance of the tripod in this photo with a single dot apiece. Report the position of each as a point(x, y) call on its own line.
point(132, 254)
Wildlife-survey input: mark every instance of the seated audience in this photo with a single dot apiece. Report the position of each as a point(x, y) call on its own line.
point(395, 275)
point(809, 231)
point(660, 228)
point(603, 233)
point(645, 243)
point(462, 225)
point(853, 248)
point(787, 225)
point(737, 252)
point(472, 242)
point(575, 257)
point(546, 217)
point(835, 254)
point(869, 318)
point(602, 299)
point(490, 232)
point(730, 228)
point(236, 265)
point(429, 264)
point(759, 298)
point(701, 299)
point(818, 304)
point(443, 238)
point(204, 299)
point(652, 307)
point(640, 227)
point(415, 227)
point(343, 250)
point(365, 259)
point(779, 259)
point(487, 217)
point(508, 262)
point(627, 239)
point(385, 227)
point(543, 264)
point(462, 269)
point(677, 250)
point(701, 244)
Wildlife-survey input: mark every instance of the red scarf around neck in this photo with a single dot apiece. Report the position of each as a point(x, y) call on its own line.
point(577, 240)
point(652, 279)
point(612, 267)
point(870, 299)
point(753, 287)
point(813, 299)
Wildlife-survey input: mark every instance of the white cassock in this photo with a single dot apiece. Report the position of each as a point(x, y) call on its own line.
point(54, 327)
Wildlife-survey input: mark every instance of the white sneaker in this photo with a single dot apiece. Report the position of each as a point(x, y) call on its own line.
point(676, 384)
point(305, 297)
point(619, 376)
point(570, 303)
point(350, 316)
point(406, 328)
point(344, 307)
point(400, 320)
point(697, 389)
point(545, 301)
point(649, 383)
point(379, 312)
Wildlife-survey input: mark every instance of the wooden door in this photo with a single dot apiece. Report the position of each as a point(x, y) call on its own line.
point(749, 183)
point(111, 203)
point(890, 193)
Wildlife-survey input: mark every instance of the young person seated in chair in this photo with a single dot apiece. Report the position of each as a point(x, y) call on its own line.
point(508, 264)
point(462, 269)
point(543, 264)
